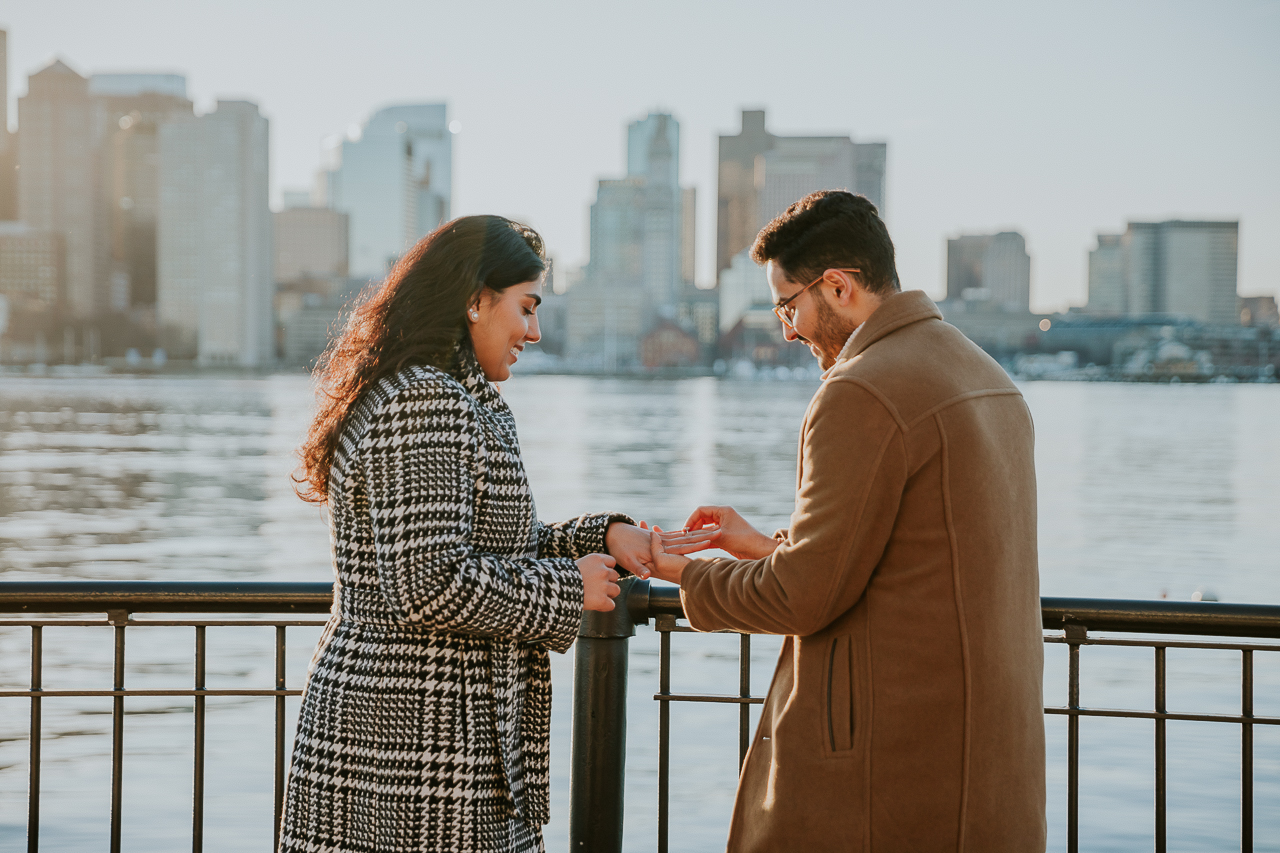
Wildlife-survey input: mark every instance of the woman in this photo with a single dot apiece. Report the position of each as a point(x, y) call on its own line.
point(425, 723)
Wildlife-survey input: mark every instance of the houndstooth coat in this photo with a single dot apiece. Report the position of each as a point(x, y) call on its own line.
point(425, 724)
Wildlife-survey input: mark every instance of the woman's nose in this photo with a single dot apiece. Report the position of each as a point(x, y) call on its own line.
point(534, 334)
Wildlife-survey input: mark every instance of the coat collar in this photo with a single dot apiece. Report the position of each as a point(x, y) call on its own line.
point(896, 311)
point(466, 369)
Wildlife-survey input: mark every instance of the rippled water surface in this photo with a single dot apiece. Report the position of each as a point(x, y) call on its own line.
point(1144, 491)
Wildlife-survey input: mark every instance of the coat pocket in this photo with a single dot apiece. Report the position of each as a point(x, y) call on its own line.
point(840, 723)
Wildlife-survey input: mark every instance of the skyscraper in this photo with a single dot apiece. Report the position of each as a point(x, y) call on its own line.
point(394, 183)
point(1182, 268)
point(1106, 276)
point(640, 250)
point(8, 145)
point(56, 181)
point(214, 283)
point(761, 174)
point(128, 110)
point(990, 268)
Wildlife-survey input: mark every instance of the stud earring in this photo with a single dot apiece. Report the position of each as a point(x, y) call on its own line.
point(475, 315)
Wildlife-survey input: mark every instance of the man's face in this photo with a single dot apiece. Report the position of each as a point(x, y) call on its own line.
point(814, 320)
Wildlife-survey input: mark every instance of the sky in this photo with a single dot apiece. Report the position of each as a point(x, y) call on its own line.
point(1057, 120)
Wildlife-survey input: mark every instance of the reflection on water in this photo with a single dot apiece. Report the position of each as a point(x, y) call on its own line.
point(1143, 489)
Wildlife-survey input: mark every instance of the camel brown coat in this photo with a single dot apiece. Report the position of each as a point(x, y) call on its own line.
point(906, 710)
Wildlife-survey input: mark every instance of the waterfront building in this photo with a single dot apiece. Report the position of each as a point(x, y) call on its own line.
point(761, 174)
point(214, 282)
point(31, 270)
point(394, 182)
point(1259, 311)
point(990, 268)
point(1106, 276)
point(641, 251)
point(1179, 268)
point(743, 286)
point(8, 142)
point(309, 242)
point(1182, 268)
point(127, 112)
point(56, 179)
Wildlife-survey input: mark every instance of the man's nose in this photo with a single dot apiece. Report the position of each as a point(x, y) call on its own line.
point(789, 333)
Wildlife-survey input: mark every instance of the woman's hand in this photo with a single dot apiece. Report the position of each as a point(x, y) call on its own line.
point(599, 582)
point(667, 566)
point(735, 535)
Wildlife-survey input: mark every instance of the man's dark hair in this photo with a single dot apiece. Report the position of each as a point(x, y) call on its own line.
point(830, 229)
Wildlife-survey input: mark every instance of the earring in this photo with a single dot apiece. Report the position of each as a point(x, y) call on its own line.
point(475, 315)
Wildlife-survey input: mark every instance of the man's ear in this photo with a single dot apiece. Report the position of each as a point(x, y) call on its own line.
point(843, 291)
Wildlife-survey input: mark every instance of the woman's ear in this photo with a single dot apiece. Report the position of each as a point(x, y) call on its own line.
point(473, 309)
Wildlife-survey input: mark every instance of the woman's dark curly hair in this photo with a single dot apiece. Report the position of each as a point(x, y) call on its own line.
point(416, 317)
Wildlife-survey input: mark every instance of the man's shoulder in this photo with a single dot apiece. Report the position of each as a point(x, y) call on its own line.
point(922, 367)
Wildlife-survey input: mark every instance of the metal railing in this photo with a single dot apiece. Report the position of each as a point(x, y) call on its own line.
point(119, 600)
point(600, 682)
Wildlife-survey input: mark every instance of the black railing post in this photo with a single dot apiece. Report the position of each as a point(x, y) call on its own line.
point(600, 721)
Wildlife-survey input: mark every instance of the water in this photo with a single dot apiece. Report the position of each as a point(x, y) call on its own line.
point(1144, 491)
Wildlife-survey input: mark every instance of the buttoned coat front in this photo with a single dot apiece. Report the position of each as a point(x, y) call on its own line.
point(906, 710)
point(425, 723)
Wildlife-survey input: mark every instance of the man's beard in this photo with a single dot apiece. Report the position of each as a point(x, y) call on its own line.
point(830, 335)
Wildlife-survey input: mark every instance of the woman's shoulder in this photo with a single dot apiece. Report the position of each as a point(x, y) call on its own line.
point(416, 393)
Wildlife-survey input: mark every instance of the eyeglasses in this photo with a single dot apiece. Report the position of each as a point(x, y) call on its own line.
point(786, 313)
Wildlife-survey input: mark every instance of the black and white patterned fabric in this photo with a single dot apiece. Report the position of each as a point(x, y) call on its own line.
point(425, 725)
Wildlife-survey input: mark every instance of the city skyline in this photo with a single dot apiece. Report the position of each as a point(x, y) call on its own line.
point(1056, 124)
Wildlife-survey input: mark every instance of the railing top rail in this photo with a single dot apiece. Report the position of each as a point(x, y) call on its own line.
point(164, 597)
point(1206, 618)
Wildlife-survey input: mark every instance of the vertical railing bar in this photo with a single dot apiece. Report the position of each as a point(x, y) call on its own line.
point(1161, 840)
point(279, 768)
point(1073, 748)
point(117, 732)
point(1246, 753)
point(664, 739)
point(197, 784)
point(744, 690)
point(33, 785)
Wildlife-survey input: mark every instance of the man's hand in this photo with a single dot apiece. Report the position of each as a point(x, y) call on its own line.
point(599, 582)
point(736, 536)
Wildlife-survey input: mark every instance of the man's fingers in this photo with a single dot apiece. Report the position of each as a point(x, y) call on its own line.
point(687, 548)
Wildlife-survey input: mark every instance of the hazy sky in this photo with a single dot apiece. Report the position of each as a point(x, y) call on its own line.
point(1057, 121)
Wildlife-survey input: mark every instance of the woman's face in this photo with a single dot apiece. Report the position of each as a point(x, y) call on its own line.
point(501, 323)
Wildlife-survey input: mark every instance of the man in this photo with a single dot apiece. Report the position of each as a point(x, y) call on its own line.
point(906, 711)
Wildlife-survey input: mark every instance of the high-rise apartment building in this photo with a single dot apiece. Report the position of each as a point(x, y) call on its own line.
point(394, 183)
point(214, 282)
point(1183, 268)
point(8, 144)
point(761, 174)
point(1187, 269)
point(1106, 276)
point(30, 274)
point(990, 268)
point(310, 242)
point(641, 250)
point(128, 110)
point(56, 186)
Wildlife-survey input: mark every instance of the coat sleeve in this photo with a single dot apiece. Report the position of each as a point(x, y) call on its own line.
point(579, 536)
point(852, 476)
point(417, 458)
